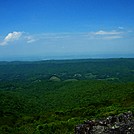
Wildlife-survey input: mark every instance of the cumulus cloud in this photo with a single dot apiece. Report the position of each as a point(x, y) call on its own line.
point(52, 37)
point(11, 37)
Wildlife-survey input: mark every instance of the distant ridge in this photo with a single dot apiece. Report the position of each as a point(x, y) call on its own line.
point(65, 57)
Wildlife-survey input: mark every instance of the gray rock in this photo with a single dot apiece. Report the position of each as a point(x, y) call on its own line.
point(121, 124)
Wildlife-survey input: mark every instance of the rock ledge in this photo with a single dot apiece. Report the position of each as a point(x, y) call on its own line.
point(121, 124)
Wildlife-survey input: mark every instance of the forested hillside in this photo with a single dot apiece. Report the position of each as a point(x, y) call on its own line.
point(53, 96)
point(122, 69)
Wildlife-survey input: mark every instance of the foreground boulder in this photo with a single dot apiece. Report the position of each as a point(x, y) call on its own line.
point(121, 124)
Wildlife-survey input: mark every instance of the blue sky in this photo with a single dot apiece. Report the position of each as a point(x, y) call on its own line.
point(66, 27)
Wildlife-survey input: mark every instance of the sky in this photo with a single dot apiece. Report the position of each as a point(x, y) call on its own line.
point(50, 28)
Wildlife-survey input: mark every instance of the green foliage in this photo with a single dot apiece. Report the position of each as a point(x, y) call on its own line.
point(51, 107)
point(88, 89)
point(110, 69)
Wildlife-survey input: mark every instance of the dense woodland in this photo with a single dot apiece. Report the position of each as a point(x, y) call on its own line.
point(52, 97)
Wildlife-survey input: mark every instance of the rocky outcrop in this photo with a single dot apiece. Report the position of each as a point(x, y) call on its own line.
point(121, 124)
point(55, 78)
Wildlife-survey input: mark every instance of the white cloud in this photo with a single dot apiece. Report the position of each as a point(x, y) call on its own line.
point(113, 32)
point(11, 37)
point(65, 36)
point(30, 39)
point(107, 35)
point(101, 34)
point(113, 37)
